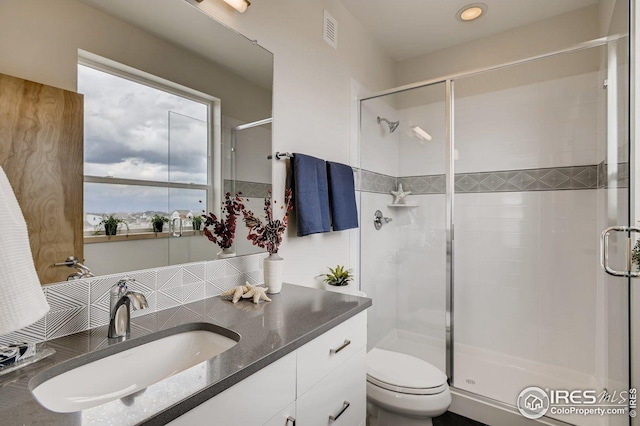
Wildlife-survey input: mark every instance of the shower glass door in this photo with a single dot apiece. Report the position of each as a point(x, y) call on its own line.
point(540, 170)
point(404, 263)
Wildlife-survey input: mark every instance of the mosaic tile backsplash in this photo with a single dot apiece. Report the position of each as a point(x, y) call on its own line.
point(83, 304)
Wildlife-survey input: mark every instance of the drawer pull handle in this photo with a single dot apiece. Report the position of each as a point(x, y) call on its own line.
point(292, 420)
point(344, 345)
point(345, 405)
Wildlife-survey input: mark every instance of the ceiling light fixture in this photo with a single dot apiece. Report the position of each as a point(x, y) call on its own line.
point(471, 12)
point(239, 5)
point(421, 134)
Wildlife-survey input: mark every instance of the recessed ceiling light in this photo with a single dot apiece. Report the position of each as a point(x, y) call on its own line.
point(471, 12)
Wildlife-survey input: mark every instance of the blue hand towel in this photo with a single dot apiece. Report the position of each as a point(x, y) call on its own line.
point(342, 196)
point(310, 194)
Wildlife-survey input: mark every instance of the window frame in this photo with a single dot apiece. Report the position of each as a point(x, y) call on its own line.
point(213, 188)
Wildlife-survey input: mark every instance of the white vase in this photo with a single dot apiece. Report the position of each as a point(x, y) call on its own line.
point(273, 269)
point(226, 253)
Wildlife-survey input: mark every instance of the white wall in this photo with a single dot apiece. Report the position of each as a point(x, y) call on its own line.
point(40, 41)
point(539, 37)
point(312, 101)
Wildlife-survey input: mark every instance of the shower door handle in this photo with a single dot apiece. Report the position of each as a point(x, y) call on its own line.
point(604, 251)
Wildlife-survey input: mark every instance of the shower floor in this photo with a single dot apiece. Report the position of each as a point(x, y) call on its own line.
point(494, 375)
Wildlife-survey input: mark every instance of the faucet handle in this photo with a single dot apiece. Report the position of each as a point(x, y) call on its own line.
point(121, 285)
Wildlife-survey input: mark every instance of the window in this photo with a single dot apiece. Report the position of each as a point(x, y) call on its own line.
point(146, 149)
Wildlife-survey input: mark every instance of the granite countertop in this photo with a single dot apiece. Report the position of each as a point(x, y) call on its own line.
point(269, 331)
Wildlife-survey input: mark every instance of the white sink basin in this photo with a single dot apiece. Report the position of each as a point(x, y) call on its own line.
point(128, 367)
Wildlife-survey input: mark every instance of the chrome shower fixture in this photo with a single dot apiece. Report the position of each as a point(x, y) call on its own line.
point(393, 125)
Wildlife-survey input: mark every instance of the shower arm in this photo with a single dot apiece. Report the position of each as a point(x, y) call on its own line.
point(385, 120)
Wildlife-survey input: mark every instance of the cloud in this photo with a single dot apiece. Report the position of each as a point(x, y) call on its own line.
point(128, 127)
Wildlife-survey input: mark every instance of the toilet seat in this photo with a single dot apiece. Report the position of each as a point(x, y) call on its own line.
point(397, 372)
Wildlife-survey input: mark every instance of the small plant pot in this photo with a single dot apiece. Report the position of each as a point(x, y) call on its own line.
point(111, 229)
point(344, 289)
point(157, 226)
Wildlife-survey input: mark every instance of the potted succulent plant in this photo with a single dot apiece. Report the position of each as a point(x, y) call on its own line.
point(111, 224)
point(268, 235)
point(157, 222)
point(338, 279)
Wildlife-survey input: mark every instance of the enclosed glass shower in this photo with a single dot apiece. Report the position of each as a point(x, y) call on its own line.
point(491, 270)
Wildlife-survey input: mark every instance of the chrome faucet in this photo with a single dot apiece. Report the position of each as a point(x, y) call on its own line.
point(121, 300)
point(82, 270)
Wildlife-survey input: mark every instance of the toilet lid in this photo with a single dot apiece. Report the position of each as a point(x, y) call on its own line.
point(402, 371)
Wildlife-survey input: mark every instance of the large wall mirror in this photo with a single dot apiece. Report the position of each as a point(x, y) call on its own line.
point(177, 112)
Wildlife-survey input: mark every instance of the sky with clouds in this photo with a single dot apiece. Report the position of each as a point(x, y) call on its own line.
point(135, 131)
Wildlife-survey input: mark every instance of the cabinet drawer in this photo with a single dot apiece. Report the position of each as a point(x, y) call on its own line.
point(286, 417)
point(319, 357)
point(253, 401)
point(342, 394)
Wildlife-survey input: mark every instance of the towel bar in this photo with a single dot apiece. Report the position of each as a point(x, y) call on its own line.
point(280, 155)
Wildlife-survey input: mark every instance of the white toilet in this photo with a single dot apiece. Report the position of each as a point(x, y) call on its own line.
point(403, 390)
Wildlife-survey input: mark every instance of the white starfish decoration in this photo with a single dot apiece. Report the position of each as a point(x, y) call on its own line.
point(256, 293)
point(235, 293)
point(400, 195)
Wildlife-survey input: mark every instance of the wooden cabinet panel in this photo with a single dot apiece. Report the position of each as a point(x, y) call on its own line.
point(41, 151)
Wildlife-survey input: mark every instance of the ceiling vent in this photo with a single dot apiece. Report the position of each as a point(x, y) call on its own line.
point(330, 30)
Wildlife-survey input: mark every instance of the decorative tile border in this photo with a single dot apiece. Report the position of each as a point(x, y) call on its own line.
point(543, 179)
point(622, 178)
point(433, 184)
point(84, 304)
point(375, 182)
point(249, 189)
point(548, 179)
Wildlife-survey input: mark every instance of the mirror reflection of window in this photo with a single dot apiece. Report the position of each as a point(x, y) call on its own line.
point(146, 150)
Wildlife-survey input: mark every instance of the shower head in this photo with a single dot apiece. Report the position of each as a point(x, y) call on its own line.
point(393, 125)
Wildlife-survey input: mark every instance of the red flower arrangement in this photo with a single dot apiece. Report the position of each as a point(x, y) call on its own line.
point(268, 235)
point(223, 231)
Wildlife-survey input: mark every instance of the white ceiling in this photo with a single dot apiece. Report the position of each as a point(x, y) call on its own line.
point(408, 28)
point(203, 35)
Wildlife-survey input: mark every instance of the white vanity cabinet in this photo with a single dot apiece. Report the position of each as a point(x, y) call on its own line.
point(286, 417)
point(339, 398)
point(253, 401)
point(321, 383)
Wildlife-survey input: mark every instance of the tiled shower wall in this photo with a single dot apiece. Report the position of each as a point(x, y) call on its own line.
point(84, 304)
point(528, 175)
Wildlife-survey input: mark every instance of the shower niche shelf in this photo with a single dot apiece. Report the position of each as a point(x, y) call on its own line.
point(402, 205)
